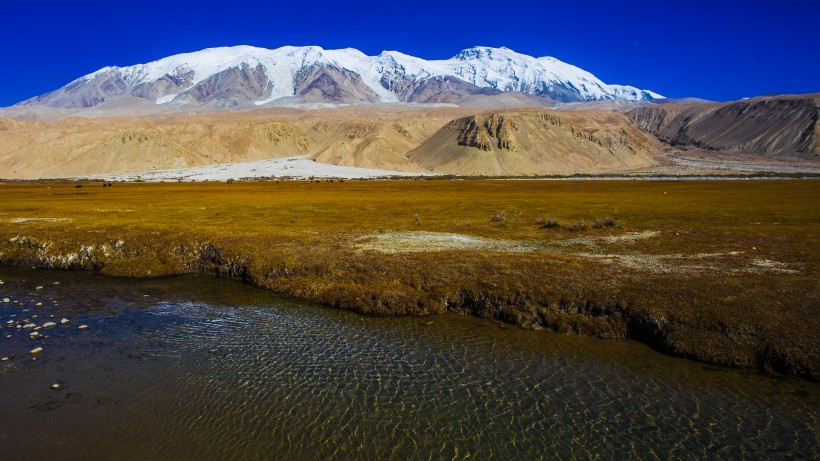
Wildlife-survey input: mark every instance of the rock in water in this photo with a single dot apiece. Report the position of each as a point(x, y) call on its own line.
point(49, 325)
point(36, 350)
point(63, 321)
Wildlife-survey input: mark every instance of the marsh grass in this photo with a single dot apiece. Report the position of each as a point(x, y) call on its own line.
point(547, 223)
point(299, 238)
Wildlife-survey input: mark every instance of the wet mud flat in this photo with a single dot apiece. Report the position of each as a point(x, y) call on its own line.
point(197, 368)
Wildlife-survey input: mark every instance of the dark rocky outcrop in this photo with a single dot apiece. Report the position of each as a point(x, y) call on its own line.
point(234, 87)
point(169, 84)
point(778, 126)
point(84, 93)
point(440, 90)
point(320, 83)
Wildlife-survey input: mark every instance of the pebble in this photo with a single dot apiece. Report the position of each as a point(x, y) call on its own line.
point(34, 335)
point(39, 304)
point(56, 283)
point(9, 322)
point(56, 387)
point(83, 327)
point(40, 287)
point(49, 325)
point(36, 350)
point(4, 359)
point(64, 321)
point(6, 300)
point(29, 325)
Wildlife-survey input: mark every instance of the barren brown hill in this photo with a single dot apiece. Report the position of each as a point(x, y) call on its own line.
point(781, 126)
point(371, 138)
point(448, 140)
point(536, 142)
point(519, 142)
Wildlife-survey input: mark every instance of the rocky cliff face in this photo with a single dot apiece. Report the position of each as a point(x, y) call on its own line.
point(776, 126)
point(494, 132)
point(319, 83)
point(535, 142)
point(230, 88)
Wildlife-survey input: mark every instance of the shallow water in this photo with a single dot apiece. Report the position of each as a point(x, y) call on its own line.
point(196, 368)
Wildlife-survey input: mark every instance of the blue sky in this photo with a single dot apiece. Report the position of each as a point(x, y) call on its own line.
point(720, 50)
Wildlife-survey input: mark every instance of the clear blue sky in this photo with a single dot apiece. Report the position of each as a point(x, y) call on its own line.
point(720, 50)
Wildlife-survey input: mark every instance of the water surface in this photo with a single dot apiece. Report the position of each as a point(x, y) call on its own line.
point(197, 368)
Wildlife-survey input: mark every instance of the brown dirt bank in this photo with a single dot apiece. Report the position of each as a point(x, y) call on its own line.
point(722, 272)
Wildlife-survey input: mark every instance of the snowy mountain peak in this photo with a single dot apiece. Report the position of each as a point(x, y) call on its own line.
point(487, 52)
point(244, 76)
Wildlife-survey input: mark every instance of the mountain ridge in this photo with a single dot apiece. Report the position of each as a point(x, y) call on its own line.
point(246, 76)
point(765, 126)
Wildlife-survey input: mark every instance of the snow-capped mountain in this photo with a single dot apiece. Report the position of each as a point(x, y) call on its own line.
point(246, 76)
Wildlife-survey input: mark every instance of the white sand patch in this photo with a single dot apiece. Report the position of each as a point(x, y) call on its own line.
point(629, 236)
point(413, 242)
point(421, 241)
point(768, 265)
point(22, 220)
point(609, 239)
point(410, 242)
point(288, 167)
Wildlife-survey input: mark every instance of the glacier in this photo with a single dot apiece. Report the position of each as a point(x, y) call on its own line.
point(259, 76)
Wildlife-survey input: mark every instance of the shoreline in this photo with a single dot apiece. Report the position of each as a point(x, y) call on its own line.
point(726, 282)
point(643, 327)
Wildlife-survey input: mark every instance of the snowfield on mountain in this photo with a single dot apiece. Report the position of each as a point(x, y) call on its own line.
point(246, 76)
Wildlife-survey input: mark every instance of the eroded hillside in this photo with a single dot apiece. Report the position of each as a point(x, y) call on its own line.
point(536, 142)
point(518, 142)
point(776, 126)
point(80, 147)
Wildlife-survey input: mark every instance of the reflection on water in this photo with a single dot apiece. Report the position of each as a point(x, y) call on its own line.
point(193, 368)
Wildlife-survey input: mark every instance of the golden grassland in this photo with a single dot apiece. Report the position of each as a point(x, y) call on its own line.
point(720, 271)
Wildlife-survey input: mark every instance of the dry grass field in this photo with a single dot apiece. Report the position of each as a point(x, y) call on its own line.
point(721, 271)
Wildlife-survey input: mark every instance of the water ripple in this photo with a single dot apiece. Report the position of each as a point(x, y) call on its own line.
point(230, 373)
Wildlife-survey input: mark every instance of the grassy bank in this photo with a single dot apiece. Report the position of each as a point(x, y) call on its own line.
point(723, 272)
